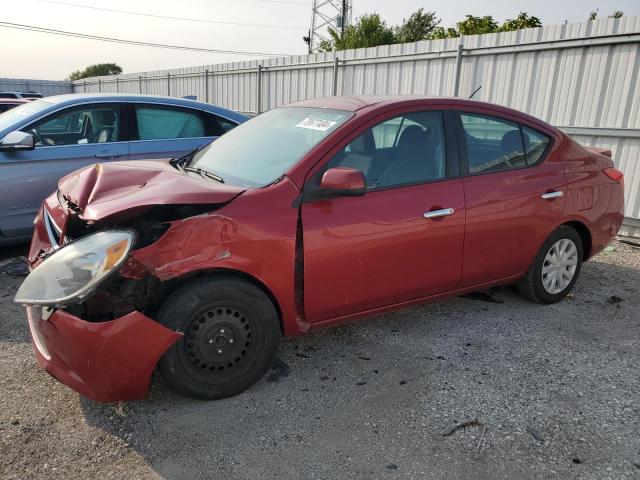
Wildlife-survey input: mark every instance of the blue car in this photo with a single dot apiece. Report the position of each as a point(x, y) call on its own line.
point(43, 140)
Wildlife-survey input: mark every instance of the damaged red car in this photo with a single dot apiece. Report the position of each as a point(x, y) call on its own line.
point(306, 216)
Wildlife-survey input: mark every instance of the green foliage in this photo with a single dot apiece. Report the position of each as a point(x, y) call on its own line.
point(96, 70)
point(419, 26)
point(617, 14)
point(441, 32)
point(593, 15)
point(472, 25)
point(369, 31)
point(521, 21)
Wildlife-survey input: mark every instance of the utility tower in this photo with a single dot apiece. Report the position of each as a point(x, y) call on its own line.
point(324, 14)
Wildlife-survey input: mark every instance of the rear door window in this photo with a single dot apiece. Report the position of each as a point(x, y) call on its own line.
point(492, 144)
point(495, 144)
point(164, 122)
point(535, 144)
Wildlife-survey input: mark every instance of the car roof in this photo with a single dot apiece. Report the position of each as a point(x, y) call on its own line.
point(73, 98)
point(374, 102)
point(14, 101)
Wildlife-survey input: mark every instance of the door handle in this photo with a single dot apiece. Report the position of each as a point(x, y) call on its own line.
point(550, 195)
point(108, 155)
point(439, 213)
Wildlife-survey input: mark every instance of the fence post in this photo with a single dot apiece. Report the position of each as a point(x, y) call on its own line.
point(206, 86)
point(99, 85)
point(259, 89)
point(84, 86)
point(336, 66)
point(117, 85)
point(168, 84)
point(139, 83)
point(456, 88)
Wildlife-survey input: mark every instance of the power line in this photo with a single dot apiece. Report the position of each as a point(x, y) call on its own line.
point(64, 33)
point(184, 19)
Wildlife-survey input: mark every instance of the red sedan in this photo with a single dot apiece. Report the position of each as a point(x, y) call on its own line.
point(306, 216)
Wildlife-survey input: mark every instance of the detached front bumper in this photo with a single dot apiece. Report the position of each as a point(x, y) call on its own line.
point(105, 361)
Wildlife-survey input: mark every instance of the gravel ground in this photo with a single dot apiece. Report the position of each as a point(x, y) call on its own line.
point(485, 386)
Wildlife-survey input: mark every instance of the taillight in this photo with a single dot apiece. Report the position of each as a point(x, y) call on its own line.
point(614, 174)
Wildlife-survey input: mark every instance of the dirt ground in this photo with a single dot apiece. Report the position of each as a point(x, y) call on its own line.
point(480, 387)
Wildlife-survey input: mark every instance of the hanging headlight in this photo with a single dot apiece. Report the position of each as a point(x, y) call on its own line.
point(73, 272)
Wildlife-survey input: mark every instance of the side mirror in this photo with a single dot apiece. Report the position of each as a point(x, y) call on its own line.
point(17, 140)
point(343, 181)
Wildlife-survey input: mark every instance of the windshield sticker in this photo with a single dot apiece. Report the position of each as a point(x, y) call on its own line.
point(316, 124)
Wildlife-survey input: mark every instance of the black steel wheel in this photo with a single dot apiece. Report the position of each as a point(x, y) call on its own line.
point(231, 334)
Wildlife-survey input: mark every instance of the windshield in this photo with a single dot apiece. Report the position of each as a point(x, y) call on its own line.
point(260, 150)
point(9, 118)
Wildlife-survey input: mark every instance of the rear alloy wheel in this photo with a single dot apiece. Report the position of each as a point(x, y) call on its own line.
point(556, 267)
point(231, 335)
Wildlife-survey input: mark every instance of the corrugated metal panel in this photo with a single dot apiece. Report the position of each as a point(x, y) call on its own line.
point(583, 75)
point(45, 87)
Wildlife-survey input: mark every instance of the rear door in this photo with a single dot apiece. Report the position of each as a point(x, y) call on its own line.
point(169, 131)
point(379, 249)
point(65, 141)
point(514, 190)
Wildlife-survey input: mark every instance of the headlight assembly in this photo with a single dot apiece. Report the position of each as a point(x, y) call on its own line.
point(73, 272)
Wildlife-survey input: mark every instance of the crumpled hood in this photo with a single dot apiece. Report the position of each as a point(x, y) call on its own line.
point(103, 189)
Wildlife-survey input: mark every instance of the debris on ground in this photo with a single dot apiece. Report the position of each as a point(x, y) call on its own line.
point(279, 369)
point(613, 299)
point(535, 434)
point(464, 426)
point(16, 267)
point(483, 297)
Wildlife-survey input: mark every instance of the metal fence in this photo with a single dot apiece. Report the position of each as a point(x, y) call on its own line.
point(580, 77)
point(45, 87)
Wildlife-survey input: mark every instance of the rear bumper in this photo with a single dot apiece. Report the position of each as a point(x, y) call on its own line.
point(106, 361)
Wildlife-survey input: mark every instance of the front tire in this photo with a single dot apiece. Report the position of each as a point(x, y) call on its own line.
point(231, 335)
point(555, 269)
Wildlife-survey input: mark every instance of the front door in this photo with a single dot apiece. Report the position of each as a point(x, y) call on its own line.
point(64, 141)
point(380, 249)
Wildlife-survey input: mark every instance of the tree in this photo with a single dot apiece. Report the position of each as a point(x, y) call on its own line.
point(369, 31)
point(521, 21)
point(593, 15)
point(617, 14)
point(419, 26)
point(96, 70)
point(477, 25)
point(441, 32)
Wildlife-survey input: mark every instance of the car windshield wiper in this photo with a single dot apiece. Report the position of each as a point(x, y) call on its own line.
point(186, 158)
point(204, 173)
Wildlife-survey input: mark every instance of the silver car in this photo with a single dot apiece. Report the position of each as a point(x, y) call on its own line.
point(43, 140)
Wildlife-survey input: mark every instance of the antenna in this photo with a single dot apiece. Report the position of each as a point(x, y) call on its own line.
point(324, 14)
point(474, 92)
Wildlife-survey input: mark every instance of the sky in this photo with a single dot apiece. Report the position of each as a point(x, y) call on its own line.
point(27, 54)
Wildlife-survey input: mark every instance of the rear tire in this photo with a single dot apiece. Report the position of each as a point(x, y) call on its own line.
point(555, 269)
point(231, 335)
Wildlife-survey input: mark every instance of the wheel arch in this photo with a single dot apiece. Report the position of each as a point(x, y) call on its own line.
point(173, 283)
point(585, 236)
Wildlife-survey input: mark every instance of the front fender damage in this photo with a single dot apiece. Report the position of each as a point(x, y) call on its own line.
point(188, 245)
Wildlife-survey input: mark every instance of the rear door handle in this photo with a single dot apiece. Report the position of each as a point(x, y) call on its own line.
point(439, 213)
point(108, 154)
point(550, 195)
